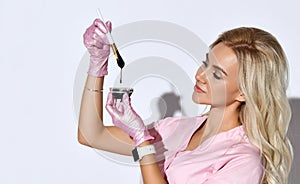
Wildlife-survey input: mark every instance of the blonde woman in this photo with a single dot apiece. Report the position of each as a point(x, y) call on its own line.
point(242, 139)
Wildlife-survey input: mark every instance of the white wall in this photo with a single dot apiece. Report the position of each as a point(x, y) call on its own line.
point(41, 50)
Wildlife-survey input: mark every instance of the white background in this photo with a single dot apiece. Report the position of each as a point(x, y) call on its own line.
point(41, 48)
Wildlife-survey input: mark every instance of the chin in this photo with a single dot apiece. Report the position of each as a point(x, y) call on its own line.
point(199, 100)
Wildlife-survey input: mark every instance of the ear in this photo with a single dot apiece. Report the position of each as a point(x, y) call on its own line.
point(240, 98)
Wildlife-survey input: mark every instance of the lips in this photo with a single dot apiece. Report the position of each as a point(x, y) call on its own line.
point(198, 89)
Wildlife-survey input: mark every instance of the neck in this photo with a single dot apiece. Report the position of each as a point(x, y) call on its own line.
point(222, 119)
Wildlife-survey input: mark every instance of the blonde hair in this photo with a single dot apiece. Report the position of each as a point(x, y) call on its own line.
point(266, 113)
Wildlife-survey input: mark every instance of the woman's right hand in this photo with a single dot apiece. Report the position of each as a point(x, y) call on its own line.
point(98, 46)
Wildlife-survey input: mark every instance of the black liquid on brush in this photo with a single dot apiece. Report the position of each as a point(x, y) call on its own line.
point(119, 59)
point(121, 64)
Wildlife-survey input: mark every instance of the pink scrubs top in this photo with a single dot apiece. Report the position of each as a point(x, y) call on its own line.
point(227, 157)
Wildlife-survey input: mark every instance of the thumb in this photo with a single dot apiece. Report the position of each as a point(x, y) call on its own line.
point(108, 25)
point(110, 99)
point(110, 104)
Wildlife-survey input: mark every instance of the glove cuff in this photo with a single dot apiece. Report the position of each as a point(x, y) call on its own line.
point(98, 68)
point(144, 136)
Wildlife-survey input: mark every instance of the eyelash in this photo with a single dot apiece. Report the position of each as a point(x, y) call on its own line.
point(205, 63)
point(215, 73)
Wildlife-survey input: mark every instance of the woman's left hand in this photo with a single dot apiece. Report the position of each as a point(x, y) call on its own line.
point(124, 117)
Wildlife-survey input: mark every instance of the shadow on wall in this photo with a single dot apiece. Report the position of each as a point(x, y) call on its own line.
point(172, 103)
point(294, 135)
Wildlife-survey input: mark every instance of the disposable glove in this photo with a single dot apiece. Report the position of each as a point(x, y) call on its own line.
point(124, 117)
point(98, 46)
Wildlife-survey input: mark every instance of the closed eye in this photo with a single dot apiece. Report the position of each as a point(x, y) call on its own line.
point(217, 75)
point(220, 69)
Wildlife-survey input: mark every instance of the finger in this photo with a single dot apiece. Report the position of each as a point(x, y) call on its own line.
point(97, 43)
point(94, 37)
point(99, 24)
point(88, 35)
point(100, 36)
point(110, 104)
point(94, 45)
point(108, 25)
point(125, 99)
point(120, 106)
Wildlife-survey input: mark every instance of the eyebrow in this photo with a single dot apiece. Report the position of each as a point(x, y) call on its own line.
point(216, 66)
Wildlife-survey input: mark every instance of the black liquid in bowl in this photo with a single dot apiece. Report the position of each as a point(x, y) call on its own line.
point(118, 92)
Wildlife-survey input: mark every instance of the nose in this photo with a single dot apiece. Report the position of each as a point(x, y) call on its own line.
point(201, 75)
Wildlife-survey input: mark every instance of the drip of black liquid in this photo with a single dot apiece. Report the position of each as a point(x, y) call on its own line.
point(119, 59)
point(121, 75)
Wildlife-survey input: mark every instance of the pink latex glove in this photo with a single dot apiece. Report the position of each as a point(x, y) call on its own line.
point(124, 117)
point(98, 46)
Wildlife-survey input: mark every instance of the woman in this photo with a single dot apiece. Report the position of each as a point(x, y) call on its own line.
point(242, 139)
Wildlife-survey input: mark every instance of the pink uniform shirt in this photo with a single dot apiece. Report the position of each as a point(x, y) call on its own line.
point(227, 157)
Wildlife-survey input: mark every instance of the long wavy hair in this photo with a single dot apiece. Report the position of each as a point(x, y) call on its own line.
point(263, 80)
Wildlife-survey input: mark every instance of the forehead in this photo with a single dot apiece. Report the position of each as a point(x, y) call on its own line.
point(224, 57)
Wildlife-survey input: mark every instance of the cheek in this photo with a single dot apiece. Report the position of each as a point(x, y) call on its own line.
point(218, 93)
point(233, 86)
point(232, 92)
point(224, 93)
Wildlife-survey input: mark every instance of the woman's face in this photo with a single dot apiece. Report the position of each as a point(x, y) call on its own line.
point(217, 78)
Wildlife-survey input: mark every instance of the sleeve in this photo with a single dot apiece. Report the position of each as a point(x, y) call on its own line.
point(163, 128)
point(246, 170)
